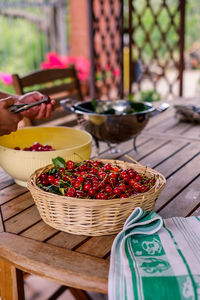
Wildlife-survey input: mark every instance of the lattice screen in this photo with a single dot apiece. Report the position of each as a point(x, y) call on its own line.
point(155, 35)
point(107, 45)
point(156, 41)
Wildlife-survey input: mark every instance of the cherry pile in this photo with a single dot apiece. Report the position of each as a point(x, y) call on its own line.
point(36, 147)
point(95, 180)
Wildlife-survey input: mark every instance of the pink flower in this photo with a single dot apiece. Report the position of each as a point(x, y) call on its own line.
point(6, 78)
point(116, 72)
point(52, 61)
point(82, 65)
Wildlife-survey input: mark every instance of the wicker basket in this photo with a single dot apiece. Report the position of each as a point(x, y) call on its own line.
point(92, 217)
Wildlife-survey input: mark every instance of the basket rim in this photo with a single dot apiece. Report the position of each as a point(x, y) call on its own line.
point(159, 185)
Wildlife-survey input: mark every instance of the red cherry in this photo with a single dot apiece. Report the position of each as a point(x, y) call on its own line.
point(91, 192)
point(138, 177)
point(83, 168)
point(43, 176)
point(56, 181)
point(115, 169)
point(51, 178)
point(65, 178)
point(122, 186)
point(144, 188)
point(71, 189)
point(80, 194)
point(80, 179)
point(108, 189)
point(70, 165)
point(93, 170)
point(70, 194)
point(48, 101)
point(101, 174)
point(101, 196)
point(45, 182)
point(137, 186)
point(113, 175)
point(95, 164)
point(108, 167)
point(77, 184)
point(95, 187)
point(123, 174)
point(131, 182)
point(126, 178)
point(87, 186)
point(117, 191)
point(123, 196)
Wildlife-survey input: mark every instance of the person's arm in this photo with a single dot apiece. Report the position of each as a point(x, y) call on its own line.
point(38, 112)
point(8, 120)
point(4, 95)
point(42, 111)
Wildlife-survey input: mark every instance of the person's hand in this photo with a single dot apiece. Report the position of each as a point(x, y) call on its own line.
point(8, 120)
point(41, 111)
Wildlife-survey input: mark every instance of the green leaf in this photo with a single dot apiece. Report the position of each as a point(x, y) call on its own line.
point(62, 191)
point(53, 189)
point(131, 97)
point(52, 171)
point(59, 162)
point(61, 185)
point(94, 104)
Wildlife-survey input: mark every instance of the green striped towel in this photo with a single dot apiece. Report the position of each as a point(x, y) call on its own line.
point(152, 259)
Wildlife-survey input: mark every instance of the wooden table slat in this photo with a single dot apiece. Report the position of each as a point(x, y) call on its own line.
point(11, 192)
point(192, 131)
point(66, 240)
point(147, 149)
point(178, 160)
point(125, 147)
point(161, 154)
point(30, 216)
point(185, 202)
point(97, 246)
point(18, 204)
point(174, 185)
point(40, 231)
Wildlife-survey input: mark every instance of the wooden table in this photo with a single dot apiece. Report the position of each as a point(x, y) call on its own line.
point(28, 244)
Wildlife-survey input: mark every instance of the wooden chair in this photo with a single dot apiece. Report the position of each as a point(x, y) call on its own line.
point(58, 84)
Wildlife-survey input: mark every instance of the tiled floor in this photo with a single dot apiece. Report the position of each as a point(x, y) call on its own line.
point(37, 288)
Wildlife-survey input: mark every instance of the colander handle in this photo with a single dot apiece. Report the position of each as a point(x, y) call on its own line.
point(72, 108)
point(164, 106)
point(69, 108)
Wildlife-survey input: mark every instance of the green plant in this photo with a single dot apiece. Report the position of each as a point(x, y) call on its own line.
point(149, 96)
point(145, 96)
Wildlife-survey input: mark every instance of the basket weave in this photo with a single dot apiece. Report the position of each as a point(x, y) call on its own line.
point(93, 217)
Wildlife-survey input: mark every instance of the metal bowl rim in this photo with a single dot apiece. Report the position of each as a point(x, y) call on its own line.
point(151, 109)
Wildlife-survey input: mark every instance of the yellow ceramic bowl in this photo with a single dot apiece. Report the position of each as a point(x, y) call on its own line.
point(69, 143)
